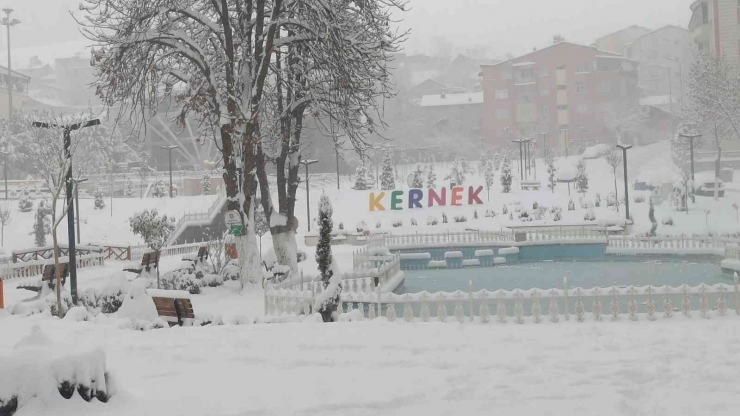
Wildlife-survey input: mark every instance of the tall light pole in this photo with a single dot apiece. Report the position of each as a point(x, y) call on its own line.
point(77, 183)
point(521, 170)
point(626, 184)
point(306, 163)
point(169, 149)
point(70, 201)
point(4, 151)
point(8, 23)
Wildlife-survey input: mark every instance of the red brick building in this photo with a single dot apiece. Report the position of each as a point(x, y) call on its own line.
point(565, 90)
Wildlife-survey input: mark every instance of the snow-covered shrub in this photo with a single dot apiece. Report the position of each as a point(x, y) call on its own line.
point(557, 215)
point(535, 205)
point(99, 201)
point(511, 215)
point(129, 190)
point(232, 271)
point(504, 210)
point(506, 177)
point(413, 222)
point(460, 218)
point(327, 300)
point(444, 218)
point(524, 216)
point(341, 226)
point(160, 189)
point(25, 204)
point(490, 213)
point(597, 201)
point(361, 226)
point(432, 220)
point(611, 200)
point(667, 220)
point(397, 223)
point(651, 217)
point(460, 168)
point(377, 224)
point(590, 215)
point(571, 205)
point(583, 203)
point(639, 199)
point(475, 214)
point(108, 298)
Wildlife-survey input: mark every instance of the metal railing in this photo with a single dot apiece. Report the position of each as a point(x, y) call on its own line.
point(197, 218)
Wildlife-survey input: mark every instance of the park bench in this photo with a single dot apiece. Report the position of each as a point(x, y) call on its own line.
point(49, 276)
point(147, 261)
point(201, 256)
point(534, 185)
point(174, 310)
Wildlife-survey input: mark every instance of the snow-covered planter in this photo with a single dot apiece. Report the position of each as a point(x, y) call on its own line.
point(437, 264)
point(46, 300)
point(454, 259)
point(484, 253)
point(499, 260)
point(311, 239)
point(471, 263)
point(508, 251)
point(453, 255)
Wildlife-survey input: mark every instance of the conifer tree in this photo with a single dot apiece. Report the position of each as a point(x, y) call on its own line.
point(129, 190)
point(582, 177)
point(99, 202)
point(431, 177)
point(326, 302)
point(387, 181)
point(205, 184)
point(360, 178)
point(506, 178)
point(418, 180)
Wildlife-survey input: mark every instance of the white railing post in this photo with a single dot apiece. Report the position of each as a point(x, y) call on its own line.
point(470, 299)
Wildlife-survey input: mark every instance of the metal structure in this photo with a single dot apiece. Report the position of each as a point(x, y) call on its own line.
point(626, 184)
point(8, 22)
point(77, 183)
point(306, 163)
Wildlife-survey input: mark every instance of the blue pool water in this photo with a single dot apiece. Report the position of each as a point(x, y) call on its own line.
point(619, 271)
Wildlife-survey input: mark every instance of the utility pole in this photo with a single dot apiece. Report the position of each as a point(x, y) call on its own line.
point(626, 184)
point(169, 149)
point(77, 205)
point(4, 151)
point(70, 197)
point(7, 22)
point(306, 163)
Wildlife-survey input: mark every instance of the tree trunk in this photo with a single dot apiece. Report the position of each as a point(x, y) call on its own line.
point(57, 270)
point(716, 172)
point(616, 189)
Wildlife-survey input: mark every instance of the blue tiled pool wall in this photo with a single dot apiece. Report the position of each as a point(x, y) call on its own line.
point(526, 253)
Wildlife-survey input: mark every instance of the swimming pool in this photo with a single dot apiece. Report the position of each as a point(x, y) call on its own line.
point(606, 272)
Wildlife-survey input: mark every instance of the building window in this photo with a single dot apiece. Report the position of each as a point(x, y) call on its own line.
point(545, 72)
point(544, 92)
point(580, 87)
point(502, 114)
point(583, 108)
point(506, 74)
point(527, 73)
point(563, 107)
point(584, 67)
point(545, 111)
point(502, 94)
point(605, 86)
point(561, 87)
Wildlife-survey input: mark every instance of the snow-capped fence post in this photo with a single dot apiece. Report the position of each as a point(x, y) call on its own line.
point(470, 299)
point(565, 296)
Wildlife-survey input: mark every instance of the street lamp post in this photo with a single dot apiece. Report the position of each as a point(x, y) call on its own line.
point(626, 184)
point(306, 163)
point(521, 170)
point(70, 201)
point(77, 205)
point(169, 149)
point(7, 22)
point(5, 154)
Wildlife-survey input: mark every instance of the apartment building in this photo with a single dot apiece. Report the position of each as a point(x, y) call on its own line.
point(715, 25)
point(665, 56)
point(566, 90)
point(615, 42)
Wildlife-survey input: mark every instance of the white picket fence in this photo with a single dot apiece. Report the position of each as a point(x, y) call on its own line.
point(400, 240)
point(36, 267)
point(520, 306)
point(732, 252)
point(137, 252)
point(677, 244)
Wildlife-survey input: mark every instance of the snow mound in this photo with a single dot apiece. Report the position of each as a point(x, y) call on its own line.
point(567, 172)
point(77, 314)
point(138, 305)
point(595, 152)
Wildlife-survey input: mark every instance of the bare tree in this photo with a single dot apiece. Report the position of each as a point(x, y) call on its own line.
point(614, 159)
point(4, 220)
point(52, 164)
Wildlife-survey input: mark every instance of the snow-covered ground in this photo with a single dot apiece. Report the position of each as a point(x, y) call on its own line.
point(677, 366)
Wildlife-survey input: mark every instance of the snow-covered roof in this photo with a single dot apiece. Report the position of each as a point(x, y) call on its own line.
point(440, 100)
point(599, 51)
point(524, 63)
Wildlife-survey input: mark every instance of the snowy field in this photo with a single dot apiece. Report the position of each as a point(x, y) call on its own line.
point(679, 366)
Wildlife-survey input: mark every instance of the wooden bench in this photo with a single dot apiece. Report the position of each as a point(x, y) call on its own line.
point(49, 276)
point(147, 261)
point(534, 185)
point(174, 310)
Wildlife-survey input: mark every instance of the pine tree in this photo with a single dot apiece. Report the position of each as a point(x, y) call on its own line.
point(41, 225)
point(360, 178)
point(387, 181)
point(489, 176)
point(431, 177)
point(326, 302)
point(582, 177)
point(496, 161)
point(160, 189)
point(24, 203)
point(418, 180)
point(129, 190)
point(205, 183)
point(651, 217)
point(261, 227)
point(99, 202)
point(460, 168)
point(551, 182)
point(506, 177)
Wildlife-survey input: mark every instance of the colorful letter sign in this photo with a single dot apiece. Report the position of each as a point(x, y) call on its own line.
point(416, 198)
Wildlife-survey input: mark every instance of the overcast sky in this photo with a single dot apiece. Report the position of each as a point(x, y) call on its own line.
point(504, 26)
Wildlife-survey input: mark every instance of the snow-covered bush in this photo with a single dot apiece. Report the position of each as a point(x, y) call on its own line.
point(160, 189)
point(611, 200)
point(639, 199)
point(341, 226)
point(475, 214)
point(651, 217)
point(504, 210)
point(190, 279)
point(460, 218)
point(397, 223)
point(25, 204)
point(361, 226)
point(432, 220)
point(99, 201)
point(583, 203)
point(506, 178)
point(524, 216)
point(108, 298)
point(377, 224)
point(490, 213)
point(571, 205)
point(460, 168)
point(535, 205)
point(413, 222)
point(667, 220)
point(590, 215)
point(557, 215)
point(129, 190)
point(597, 201)
point(444, 218)
point(511, 215)
point(387, 179)
point(326, 302)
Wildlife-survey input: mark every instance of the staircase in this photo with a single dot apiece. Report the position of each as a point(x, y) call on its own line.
point(198, 219)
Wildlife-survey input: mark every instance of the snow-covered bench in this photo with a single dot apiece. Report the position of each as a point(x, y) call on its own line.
point(534, 185)
point(173, 306)
point(147, 261)
point(48, 275)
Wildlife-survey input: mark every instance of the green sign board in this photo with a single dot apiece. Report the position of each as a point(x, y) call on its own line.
point(235, 230)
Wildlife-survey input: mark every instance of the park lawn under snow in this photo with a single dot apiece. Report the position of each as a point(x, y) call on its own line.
point(677, 366)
